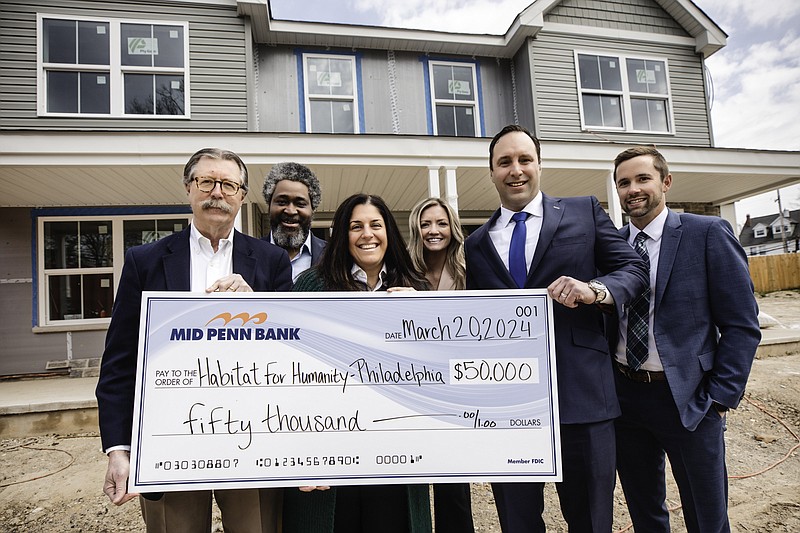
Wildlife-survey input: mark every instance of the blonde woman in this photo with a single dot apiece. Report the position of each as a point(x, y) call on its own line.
point(437, 244)
point(436, 247)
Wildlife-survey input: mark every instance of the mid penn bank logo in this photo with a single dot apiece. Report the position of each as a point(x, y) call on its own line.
point(236, 327)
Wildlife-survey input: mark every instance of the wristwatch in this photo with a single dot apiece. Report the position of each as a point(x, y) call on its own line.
point(599, 289)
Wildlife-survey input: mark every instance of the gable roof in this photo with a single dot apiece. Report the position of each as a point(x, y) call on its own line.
point(706, 35)
point(747, 235)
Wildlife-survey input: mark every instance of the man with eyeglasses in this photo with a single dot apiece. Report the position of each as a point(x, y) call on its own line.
point(208, 256)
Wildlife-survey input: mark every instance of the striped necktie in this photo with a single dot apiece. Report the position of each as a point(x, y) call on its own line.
point(636, 349)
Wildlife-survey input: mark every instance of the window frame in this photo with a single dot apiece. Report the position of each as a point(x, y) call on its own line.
point(760, 232)
point(42, 304)
point(116, 71)
point(474, 103)
point(625, 93)
point(778, 229)
point(354, 99)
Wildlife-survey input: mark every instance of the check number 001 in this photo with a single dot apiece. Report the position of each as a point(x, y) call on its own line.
point(482, 371)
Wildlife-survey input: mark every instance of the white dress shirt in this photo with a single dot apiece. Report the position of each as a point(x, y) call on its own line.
point(501, 230)
point(209, 266)
point(360, 275)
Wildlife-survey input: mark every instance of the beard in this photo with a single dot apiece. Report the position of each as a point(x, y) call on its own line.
point(640, 210)
point(290, 239)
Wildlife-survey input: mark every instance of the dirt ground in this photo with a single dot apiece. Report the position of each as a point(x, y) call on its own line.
point(53, 483)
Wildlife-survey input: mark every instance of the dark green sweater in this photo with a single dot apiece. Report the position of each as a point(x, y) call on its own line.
point(313, 512)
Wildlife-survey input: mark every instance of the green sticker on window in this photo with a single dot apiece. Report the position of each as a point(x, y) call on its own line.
point(645, 76)
point(142, 46)
point(458, 87)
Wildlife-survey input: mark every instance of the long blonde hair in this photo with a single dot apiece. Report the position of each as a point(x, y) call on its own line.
point(455, 262)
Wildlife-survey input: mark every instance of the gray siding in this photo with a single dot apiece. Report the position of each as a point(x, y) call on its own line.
point(558, 114)
point(21, 350)
point(634, 15)
point(376, 91)
point(498, 94)
point(278, 104)
point(411, 97)
point(279, 96)
point(523, 79)
point(217, 65)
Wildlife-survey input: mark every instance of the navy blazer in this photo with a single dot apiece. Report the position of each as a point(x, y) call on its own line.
point(165, 265)
point(317, 247)
point(705, 314)
point(577, 239)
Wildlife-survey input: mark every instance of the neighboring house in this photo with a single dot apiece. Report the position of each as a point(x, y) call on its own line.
point(101, 103)
point(771, 234)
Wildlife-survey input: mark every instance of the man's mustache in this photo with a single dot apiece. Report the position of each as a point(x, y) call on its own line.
point(290, 219)
point(212, 203)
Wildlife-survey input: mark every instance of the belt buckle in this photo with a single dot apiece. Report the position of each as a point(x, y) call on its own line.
point(647, 373)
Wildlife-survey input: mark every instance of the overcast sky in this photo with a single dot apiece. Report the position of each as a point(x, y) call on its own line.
point(756, 77)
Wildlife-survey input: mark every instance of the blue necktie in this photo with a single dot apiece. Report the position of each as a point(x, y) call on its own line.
point(517, 266)
point(636, 349)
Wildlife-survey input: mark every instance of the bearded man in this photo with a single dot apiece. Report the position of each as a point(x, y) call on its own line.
point(293, 194)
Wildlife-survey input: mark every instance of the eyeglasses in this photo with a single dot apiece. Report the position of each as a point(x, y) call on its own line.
point(229, 188)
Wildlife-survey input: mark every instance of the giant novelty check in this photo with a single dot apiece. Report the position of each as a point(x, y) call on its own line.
point(293, 389)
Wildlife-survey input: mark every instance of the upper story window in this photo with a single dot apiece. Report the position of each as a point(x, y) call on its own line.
point(331, 93)
point(777, 229)
point(80, 260)
point(455, 98)
point(111, 67)
point(760, 231)
point(624, 93)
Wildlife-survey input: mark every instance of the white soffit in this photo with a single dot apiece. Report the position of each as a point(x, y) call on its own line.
point(82, 169)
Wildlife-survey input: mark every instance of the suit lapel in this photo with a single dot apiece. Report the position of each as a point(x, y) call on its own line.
point(178, 264)
point(552, 212)
point(670, 240)
point(491, 255)
point(317, 247)
point(244, 263)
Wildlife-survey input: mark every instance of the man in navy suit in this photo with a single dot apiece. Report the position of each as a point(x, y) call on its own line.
point(293, 194)
point(699, 335)
point(210, 255)
point(573, 249)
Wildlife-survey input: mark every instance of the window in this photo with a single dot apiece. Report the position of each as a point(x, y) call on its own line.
point(112, 67)
point(81, 259)
point(330, 93)
point(760, 231)
point(777, 229)
point(624, 93)
point(455, 99)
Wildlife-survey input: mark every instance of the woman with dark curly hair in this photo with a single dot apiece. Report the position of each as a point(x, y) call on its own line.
point(366, 252)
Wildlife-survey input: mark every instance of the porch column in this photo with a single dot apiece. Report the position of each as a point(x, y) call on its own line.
point(728, 212)
point(614, 207)
point(433, 182)
point(451, 188)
